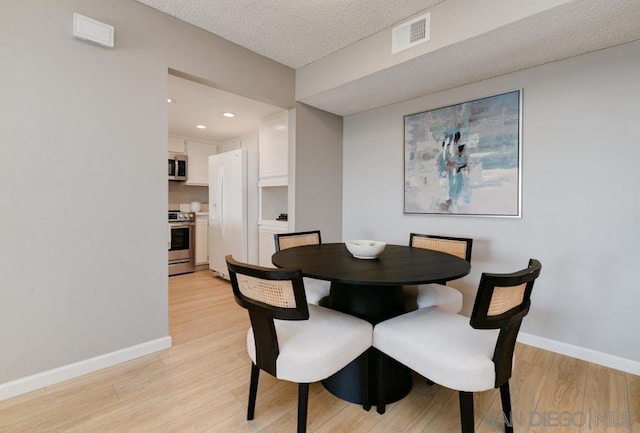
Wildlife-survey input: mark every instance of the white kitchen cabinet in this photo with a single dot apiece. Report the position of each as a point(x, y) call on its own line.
point(198, 162)
point(274, 146)
point(202, 238)
point(249, 142)
point(275, 142)
point(177, 145)
point(266, 244)
point(229, 145)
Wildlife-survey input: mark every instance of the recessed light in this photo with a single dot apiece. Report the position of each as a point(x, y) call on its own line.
point(169, 100)
point(201, 126)
point(229, 114)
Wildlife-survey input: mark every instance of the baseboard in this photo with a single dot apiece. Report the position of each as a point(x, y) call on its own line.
point(70, 371)
point(589, 355)
point(60, 374)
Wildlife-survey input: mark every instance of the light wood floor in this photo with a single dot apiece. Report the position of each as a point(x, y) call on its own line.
point(201, 384)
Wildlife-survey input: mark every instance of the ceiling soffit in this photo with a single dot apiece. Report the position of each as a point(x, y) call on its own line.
point(566, 31)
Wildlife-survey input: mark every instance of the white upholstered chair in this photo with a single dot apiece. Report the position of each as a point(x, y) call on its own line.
point(443, 347)
point(439, 294)
point(314, 289)
point(292, 340)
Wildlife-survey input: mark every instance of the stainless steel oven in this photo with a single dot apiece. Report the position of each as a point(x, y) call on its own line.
point(182, 248)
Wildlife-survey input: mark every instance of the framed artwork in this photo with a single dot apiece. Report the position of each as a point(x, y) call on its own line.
point(465, 159)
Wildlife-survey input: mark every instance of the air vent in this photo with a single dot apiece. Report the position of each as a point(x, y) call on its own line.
point(411, 33)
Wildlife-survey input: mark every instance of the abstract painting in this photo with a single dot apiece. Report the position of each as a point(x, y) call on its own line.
point(465, 159)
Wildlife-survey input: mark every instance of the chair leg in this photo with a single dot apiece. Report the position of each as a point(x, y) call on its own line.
point(303, 402)
point(364, 359)
point(466, 411)
point(505, 396)
point(253, 390)
point(380, 391)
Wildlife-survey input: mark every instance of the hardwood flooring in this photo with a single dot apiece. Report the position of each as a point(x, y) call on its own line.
point(201, 385)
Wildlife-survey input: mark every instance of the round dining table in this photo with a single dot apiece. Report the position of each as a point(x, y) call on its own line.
point(371, 289)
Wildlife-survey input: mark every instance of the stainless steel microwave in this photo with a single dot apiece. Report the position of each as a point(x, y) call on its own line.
point(177, 167)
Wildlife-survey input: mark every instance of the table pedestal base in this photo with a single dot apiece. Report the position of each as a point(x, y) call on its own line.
point(374, 304)
point(371, 303)
point(346, 384)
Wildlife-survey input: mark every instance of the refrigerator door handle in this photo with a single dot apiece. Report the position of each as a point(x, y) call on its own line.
point(221, 200)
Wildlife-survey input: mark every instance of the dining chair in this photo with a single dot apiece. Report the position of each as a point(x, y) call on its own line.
point(439, 294)
point(443, 347)
point(315, 289)
point(292, 340)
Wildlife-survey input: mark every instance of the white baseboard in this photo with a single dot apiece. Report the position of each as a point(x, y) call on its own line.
point(589, 355)
point(70, 371)
point(60, 374)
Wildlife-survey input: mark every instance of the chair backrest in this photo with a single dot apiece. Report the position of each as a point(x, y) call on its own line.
point(290, 240)
point(501, 303)
point(460, 247)
point(267, 294)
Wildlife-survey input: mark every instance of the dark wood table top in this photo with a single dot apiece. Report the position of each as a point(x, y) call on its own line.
point(397, 265)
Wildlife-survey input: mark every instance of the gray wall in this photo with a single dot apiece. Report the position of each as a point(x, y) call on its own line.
point(318, 172)
point(83, 188)
point(580, 201)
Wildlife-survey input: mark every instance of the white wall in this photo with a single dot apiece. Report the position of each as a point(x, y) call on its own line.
point(318, 172)
point(581, 143)
point(83, 187)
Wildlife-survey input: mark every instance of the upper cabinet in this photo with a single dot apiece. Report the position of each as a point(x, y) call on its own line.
point(198, 162)
point(229, 145)
point(274, 146)
point(177, 145)
point(249, 141)
point(198, 153)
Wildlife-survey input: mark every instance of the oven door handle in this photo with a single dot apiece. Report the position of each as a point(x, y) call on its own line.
point(182, 225)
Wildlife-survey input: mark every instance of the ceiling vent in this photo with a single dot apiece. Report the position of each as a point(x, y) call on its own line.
point(411, 33)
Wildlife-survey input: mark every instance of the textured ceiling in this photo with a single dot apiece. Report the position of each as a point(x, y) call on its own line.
point(575, 28)
point(298, 32)
point(292, 32)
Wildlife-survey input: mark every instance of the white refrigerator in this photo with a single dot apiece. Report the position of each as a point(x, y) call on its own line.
point(233, 205)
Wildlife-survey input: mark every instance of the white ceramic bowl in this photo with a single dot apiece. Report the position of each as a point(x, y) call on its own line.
point(363, 249)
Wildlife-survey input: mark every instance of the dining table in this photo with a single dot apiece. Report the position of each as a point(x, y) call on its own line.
point(371, 289)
